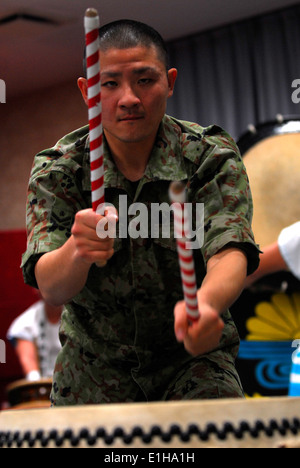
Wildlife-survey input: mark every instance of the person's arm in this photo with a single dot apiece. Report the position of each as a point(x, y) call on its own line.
point(62, 273)
point(224, 282)
point(271, 261)
point(28, 357)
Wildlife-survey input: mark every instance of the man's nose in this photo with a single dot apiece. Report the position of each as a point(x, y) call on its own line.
point(129, 98)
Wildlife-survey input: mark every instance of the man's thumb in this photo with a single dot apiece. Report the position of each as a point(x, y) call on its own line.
point(181, 321)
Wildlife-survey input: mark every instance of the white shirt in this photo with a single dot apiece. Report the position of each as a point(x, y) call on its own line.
point(289, 246)
point(33, 326)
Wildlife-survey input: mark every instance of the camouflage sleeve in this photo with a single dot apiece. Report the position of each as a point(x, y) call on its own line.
point(222, 184)
point(53, 199)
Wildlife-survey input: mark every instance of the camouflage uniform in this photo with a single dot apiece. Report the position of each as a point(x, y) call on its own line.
point(117, 334)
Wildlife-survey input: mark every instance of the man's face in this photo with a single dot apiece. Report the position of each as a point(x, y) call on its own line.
point(135, 88)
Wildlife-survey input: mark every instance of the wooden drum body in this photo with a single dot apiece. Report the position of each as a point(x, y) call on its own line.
point(268, 314)
point(27, 395)
point(268, 423)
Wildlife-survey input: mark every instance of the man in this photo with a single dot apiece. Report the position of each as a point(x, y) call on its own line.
point(34, 334)
point(120, 343)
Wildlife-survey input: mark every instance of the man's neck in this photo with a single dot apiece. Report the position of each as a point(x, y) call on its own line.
point(131, 158)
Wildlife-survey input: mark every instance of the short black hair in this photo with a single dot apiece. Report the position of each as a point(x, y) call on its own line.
point(126, 34)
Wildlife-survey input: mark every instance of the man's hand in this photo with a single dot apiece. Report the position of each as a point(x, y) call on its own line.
point(202, 336)
point(88, 245)
point(62, 273)
point(222, 285)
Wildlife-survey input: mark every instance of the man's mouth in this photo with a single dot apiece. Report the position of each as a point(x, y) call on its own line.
point(127, 118)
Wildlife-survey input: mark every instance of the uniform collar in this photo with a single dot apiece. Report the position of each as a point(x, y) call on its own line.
point(166, 161)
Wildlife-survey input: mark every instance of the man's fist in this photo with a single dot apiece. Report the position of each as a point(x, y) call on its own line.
point(89, 245)
point(202, 336)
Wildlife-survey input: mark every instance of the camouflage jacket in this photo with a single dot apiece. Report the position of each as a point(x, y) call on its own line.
point(125, 310)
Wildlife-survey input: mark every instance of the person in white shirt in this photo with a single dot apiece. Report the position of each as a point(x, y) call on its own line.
point(35, 336)
point(283, 255)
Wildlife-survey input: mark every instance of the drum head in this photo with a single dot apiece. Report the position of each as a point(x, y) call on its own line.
point(273, 167)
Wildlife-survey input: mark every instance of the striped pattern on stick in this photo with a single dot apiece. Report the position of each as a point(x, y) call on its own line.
point(186, 260)
point(91, 25)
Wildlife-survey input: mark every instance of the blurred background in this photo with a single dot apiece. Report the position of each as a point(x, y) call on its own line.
point(237, 61)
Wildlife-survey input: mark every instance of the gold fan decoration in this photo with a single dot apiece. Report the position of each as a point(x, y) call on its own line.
point(277, 320)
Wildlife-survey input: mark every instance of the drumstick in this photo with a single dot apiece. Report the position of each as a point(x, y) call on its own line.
point(177, 195)
point(91, 25)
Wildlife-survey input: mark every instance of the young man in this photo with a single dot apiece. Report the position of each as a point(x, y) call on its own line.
point(119, 340)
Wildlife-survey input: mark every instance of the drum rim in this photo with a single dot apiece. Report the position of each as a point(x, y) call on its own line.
point(23, 383)
point(265, 130)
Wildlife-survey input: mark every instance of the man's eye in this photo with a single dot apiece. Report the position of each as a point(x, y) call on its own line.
point(110, 84)
point(145, 81)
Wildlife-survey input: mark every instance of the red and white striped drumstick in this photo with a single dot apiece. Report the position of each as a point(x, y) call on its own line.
point(91, 25)
point(177, 195)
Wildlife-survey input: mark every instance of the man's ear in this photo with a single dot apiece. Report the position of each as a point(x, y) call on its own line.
point(82, 85)
point(172, 75)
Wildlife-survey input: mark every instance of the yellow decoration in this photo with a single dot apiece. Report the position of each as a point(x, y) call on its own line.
point(278, 320)
point(254, 396)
